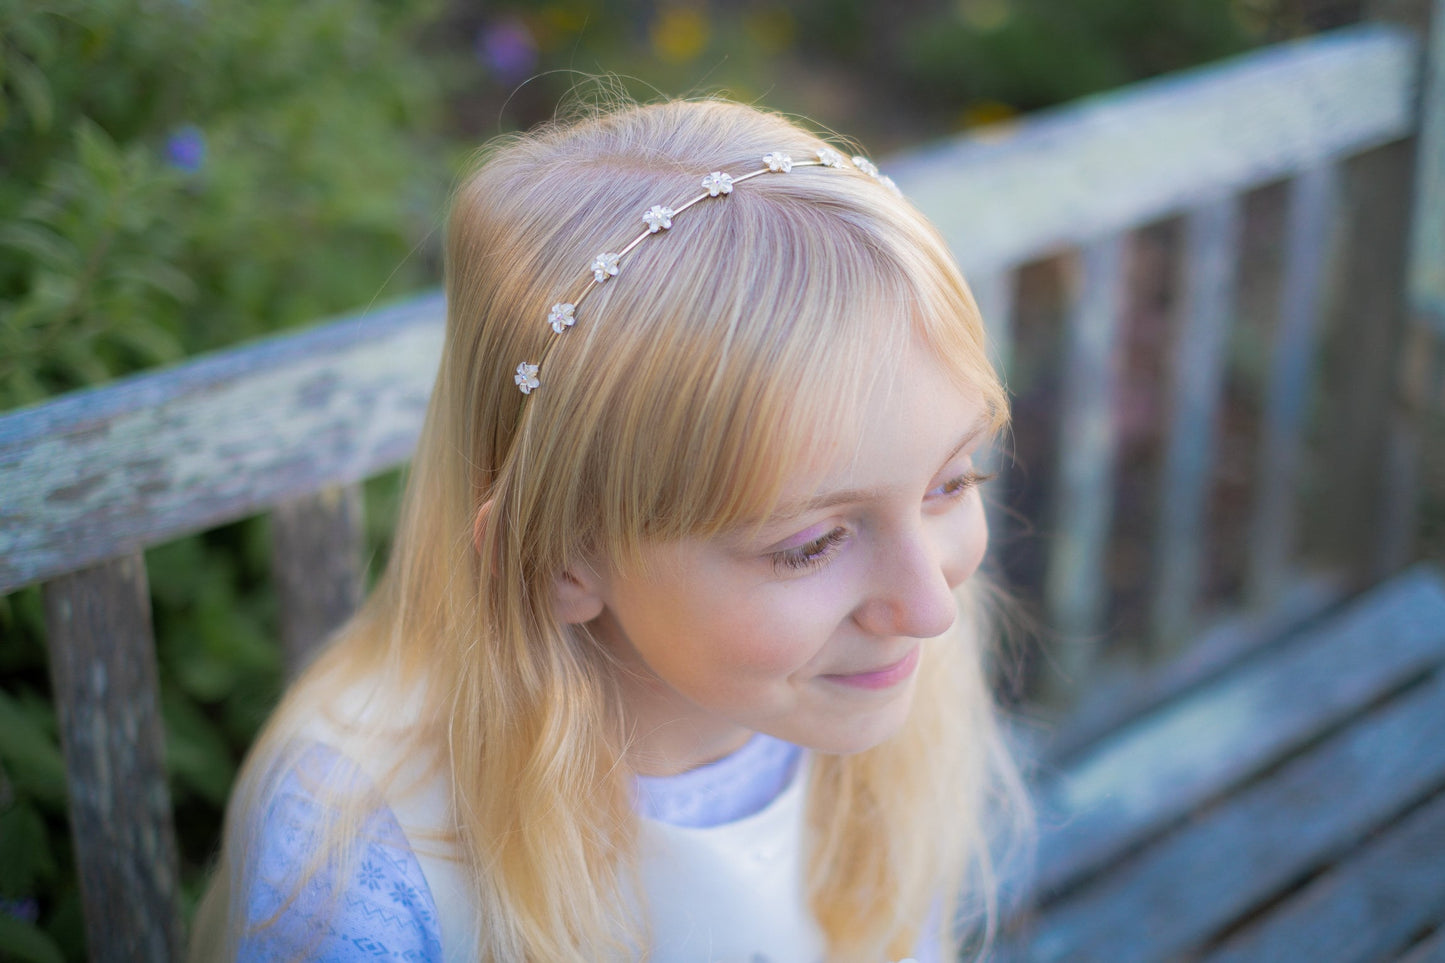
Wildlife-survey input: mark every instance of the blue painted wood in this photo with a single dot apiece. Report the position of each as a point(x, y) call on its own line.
point(1426, 283)
point(1313, 197)
point(1134, 784)
point(1430, 950)
point(1075, 589)
point(1211, 274)
point(1055, 180)
point(104, 472)
point(1246, 849)
point(1368, 908)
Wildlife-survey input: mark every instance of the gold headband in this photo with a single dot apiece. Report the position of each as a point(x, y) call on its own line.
point(659, 218)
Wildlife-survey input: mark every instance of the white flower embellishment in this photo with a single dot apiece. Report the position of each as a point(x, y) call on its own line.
point(866, 166)
point(887, 182)
point(718, 183)
point(561, 316)
point(604, 266)
point(778, 162)
point(658, 218)
point(830, 158)
point(526, 378)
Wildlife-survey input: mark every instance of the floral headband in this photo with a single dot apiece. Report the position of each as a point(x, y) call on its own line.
point(659, 218)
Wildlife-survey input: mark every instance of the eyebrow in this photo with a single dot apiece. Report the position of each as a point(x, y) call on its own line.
point(847, 496)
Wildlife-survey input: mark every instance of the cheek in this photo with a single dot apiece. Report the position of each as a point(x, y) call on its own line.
point(971, 539)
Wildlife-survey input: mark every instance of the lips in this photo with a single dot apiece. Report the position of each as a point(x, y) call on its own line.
point(881, 678)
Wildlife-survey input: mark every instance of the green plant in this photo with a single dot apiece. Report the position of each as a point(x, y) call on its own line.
point(181, 175)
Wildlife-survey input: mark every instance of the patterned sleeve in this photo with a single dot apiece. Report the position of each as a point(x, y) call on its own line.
point(381, 910)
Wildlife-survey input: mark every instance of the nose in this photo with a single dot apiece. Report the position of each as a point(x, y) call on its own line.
point(912, 594)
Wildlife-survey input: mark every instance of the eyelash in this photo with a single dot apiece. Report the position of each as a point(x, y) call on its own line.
point(819, 550)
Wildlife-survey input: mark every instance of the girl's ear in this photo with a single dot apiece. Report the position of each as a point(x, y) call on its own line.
point(576, 592)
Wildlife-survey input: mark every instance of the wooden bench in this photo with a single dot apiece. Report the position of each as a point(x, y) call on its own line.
point(1292, 808)
point(290, 426)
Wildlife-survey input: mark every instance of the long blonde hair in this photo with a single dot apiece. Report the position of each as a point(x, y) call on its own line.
point(689, 387)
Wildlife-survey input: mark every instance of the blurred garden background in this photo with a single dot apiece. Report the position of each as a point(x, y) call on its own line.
point(181, 175)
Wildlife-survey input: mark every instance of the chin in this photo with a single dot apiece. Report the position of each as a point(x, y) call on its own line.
point(861, 731)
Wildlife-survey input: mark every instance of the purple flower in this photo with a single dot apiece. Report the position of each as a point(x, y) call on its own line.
point(186, 148)
point(508, 49)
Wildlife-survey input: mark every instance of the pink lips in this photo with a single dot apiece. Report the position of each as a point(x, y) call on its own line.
point(889, 675)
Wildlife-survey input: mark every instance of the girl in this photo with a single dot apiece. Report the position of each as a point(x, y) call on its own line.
point(677, 655)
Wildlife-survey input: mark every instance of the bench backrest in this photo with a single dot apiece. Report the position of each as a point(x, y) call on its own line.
point(291, 425)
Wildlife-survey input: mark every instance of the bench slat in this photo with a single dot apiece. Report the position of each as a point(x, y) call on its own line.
point(1313, 198)
point(103, 672)
point(1153, 772)
point(316, 558)
point(1432, 950)
point(1365, 910)
point(1201, 879)
point(1211, 263)
point(1117, 160)
point(994, 293)
point(111, 470)
point(1075, 589)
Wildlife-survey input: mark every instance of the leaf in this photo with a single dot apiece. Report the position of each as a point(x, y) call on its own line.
point(30, 755)
point(26, 943)
point(25, 857)
point(197, 755)
point(42, 243)
point(34, 91)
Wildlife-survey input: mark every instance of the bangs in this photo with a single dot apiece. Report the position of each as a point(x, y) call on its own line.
point(734, 353)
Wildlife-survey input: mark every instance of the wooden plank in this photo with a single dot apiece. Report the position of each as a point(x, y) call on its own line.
point(1211, 255)
point(103, 673)
point(1367, 909)
point(107, 471)
point(1431, 950)
point(1149, 774)
point(316, 557)
point(1245, 850)
point(1124, 693)
point(1426, 279)
point(1075, 588)
point(1312, 201)
point(993, 292)
point(1012, 193)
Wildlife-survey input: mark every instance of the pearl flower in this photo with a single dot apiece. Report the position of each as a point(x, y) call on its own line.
point(526, 378)
point(830, 158)
point(718, 183)
point(561, 317)
point(866, 166)
point(778, 162)
point(604, 266)
point(887, 182)
point(658, 218)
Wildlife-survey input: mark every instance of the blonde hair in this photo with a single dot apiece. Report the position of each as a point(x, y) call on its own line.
point(675, 408)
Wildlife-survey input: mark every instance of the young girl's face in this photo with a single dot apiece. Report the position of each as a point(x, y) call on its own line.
point(810, 628)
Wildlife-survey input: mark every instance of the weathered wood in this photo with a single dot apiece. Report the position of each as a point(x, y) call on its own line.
point(1366, 305)
point(1246, 849)
point(1211, 255)
point(1125, 693)
point(1312, 202)
point(1012, 193)
point(316, 558)
point(1138, 781)
point(104, 472)
point(1426, 280)
point(1367, 909)
point(103, 673)
point(1431, 950)
point(994, 294)
point(1075, 589)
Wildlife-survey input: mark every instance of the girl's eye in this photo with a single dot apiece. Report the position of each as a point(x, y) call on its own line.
point(968, 481)
point(810, 555)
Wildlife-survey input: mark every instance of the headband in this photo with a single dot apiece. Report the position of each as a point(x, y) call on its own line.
point(659, 217)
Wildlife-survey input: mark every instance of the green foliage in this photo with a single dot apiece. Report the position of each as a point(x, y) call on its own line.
point(181, 175)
